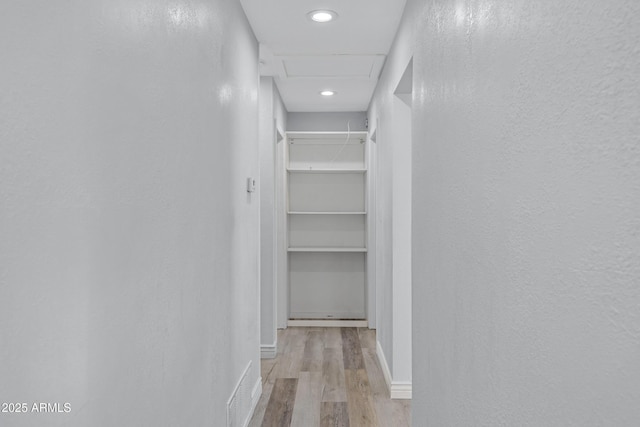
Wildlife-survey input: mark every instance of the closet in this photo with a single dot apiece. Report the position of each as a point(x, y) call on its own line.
point(327, 224)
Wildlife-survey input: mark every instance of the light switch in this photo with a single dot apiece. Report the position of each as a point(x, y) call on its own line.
point(251, 185)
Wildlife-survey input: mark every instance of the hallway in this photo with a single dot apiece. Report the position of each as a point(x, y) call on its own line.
point(152, 221)
point(327, 377)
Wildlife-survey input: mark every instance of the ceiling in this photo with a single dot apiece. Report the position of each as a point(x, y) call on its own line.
point(305, 57)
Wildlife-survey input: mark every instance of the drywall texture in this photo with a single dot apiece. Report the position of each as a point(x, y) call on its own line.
point(272, 125)
point(526, 201)
point(128, 242)
point(380, 256)
point(326, 122)
point(390, 119)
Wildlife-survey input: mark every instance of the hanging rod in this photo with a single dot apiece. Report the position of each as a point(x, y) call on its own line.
point(329, 142)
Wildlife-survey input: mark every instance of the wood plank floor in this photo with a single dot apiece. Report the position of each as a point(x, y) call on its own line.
point(327, 377)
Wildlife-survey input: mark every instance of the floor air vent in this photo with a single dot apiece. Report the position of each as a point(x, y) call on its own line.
point(239, 404)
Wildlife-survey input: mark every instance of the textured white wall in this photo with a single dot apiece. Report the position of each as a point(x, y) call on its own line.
point(401, 226)
point(392, 121)
point(381, 256)
point(128, 244)
point(526, 209)
point(282, 234)
point(272, 117)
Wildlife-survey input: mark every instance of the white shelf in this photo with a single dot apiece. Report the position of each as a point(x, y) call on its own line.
point(326, 213)
point(320, 249)
point(326, 170)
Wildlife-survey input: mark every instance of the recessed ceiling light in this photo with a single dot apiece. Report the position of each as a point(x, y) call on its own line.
point(322, 15)
point(327, 93)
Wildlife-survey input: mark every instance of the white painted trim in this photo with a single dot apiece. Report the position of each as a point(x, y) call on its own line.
point(400, 390)
point(386, 373)
point(397, 389)
point(321, 323)
point(269, 351)
point(255, 398)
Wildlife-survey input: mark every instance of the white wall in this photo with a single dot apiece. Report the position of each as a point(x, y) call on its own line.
point(391, 120)
point(282, 236)
point(272, 124)
point(128, 242)
point(381, 255)
point(401, 224)
point(526, 201)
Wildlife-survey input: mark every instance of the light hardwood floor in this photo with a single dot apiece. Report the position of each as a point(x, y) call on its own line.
point(327, 377)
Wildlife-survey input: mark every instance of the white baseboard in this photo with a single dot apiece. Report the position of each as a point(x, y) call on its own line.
point(269, 351)
point(401, 390)
point(321, 323)
point(255, 398)
point(397, 389)
point(386, 373)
